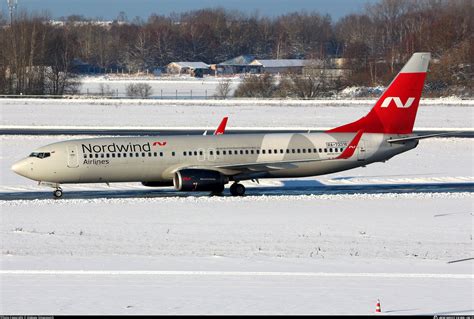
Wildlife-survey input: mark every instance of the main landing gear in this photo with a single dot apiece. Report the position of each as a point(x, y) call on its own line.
point(237, 189)
point(58, 192)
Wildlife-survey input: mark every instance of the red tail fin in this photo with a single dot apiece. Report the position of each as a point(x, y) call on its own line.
point(395, 111)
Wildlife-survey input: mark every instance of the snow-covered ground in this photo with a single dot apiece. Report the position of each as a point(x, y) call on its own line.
point(307, 254)
point(185, 87)
point(433, 113)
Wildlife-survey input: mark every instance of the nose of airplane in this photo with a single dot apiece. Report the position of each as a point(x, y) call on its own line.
point(22, 167)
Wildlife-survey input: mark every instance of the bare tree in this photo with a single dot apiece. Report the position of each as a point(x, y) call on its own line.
point(257, 86)
point(139, 90)
point(223, 88)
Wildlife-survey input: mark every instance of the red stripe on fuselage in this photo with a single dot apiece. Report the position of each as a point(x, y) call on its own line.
point(349, 151)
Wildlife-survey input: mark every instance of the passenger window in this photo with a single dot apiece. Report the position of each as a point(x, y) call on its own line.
point(241, 152)
point(85, 155)
point(275, 151)
point(304, 150)
point(251, 152)
point(298, 150)
point(325, 150)
point(211, 153)
point(281, 151)
point(200, 152)
point(315, 150)
point(124, 154)
point(149, 154)
point(258, 151)
point(101, 155)
point(247, 152)
point(96, 155)
point(224, 152)
point(263, 151)
point(173, 153)
point(330, 150)
point(107, 155)
point(269, 151)
point(131, 154)
point(309, 150)
point(218, 153)
point(293, 150)
point(236, 152)
point(113, 155)
point(341, 149)
point(161, 154)
point(90, 155)
point(137, 155)
point(155, 154)
point(118, 155)
point(195, 153)
point(320, 150)
point(184, 153)
point(287, 151)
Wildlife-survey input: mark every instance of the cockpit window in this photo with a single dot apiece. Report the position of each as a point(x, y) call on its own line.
point(40, 155)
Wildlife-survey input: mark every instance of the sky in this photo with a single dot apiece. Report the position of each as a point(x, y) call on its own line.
point(109, 9)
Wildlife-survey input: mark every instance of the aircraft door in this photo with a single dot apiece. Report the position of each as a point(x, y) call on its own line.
point(361, 150)
point(72, 156)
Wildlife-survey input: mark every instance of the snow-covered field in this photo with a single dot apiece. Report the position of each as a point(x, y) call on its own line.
point(435, 113)
point(185, 87)
point(307, 254)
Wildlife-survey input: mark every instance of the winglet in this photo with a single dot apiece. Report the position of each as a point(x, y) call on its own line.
point(221, 129)
point(349, 151)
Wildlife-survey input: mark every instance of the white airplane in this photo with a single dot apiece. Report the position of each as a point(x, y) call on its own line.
point(208, 162)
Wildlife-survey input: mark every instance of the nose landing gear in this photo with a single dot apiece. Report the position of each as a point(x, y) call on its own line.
point(237, 189)
point(58, 193)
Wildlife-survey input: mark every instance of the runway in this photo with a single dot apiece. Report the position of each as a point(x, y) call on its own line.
point(146, 131)
point(251, 191)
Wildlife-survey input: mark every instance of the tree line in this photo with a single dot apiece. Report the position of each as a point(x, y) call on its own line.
point(37, 56)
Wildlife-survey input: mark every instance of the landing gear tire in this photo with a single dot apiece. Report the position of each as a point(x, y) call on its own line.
point(58, 193)
point(237, 189)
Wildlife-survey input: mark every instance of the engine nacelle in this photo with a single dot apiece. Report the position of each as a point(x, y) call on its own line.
point(190, 180)
point(157, 184)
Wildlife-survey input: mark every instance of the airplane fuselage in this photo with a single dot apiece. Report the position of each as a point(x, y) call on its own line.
point(156, 159)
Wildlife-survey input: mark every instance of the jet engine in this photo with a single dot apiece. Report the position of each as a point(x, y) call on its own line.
point(190, 180)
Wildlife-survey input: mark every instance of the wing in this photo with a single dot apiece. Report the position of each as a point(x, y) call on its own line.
point(268, 166)
point(263, 167)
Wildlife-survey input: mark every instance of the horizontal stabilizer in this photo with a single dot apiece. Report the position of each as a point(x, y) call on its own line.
point(415, 138)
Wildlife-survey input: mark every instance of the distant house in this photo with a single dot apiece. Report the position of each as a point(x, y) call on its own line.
point(280, 65)
point(332, 69)
point(240, 64)
point(191, 68)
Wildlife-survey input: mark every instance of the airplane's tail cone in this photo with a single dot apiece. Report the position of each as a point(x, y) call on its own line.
point(377, 307)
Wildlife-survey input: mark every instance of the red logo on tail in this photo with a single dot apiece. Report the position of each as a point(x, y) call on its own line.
point(159, 143)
